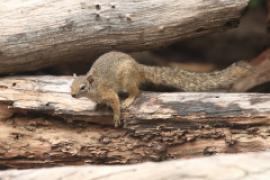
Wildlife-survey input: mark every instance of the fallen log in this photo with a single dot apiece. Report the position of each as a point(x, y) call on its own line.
point(38, 34)
point(222, 167)
point(45, 126)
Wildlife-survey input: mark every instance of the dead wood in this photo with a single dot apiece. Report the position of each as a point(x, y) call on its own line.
point(248, 166)
point(48, 127)
point(38, 34)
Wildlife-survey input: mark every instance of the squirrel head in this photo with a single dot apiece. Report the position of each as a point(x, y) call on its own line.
point(81, 86)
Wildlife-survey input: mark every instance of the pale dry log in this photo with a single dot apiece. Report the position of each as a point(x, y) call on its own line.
point(50, 127)
point(36, 34)
point(247, 166)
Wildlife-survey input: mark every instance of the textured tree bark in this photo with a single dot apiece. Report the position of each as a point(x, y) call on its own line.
point(222, 167)
point(45, 126)
point(36, 34)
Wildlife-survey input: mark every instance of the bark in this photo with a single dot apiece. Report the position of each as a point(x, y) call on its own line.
point(248, 166)
point(45, 126)
point(38, 34)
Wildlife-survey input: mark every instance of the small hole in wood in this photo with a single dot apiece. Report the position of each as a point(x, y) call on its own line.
point(17, 136)
point(98, 7)
point(113, 6)
point(97, 16)
point(14, 84)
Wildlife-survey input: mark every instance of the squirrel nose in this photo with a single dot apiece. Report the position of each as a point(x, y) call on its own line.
point(73, 95)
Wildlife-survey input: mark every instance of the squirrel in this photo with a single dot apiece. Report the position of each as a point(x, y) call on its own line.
point(115, 71)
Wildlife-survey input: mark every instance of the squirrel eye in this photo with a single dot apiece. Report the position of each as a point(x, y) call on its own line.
point(82, 87)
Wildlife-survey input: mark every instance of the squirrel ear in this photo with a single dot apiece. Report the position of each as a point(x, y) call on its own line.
point(74, 75)
point(90, 79)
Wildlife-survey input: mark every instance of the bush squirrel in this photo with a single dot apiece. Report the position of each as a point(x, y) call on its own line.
point(116, 71)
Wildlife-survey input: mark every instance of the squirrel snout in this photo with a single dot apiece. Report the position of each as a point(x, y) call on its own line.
point(73, 95)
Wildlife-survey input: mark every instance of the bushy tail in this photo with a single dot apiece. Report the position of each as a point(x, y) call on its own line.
point(193, 81)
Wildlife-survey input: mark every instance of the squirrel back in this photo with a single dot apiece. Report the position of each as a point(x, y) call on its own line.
point(114, 68)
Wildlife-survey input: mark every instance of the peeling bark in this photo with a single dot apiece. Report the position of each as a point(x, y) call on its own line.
point(38, 34)
point(49, 127)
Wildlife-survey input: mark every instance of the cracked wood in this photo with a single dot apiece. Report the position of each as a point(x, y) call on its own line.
point(38, 34)
point(44, 126)
point(222, 167)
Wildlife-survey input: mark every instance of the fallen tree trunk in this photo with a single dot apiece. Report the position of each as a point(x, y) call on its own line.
point(37, 34)
point(241, 166)
point(45, 126)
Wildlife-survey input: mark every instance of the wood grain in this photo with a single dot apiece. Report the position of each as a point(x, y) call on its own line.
point(45, 126)
point(37, 34)
point(223, 167)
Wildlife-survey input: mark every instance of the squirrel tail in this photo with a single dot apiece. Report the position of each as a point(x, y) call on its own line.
point(194, 81)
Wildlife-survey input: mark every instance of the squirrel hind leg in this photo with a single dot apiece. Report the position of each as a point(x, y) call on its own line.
point(130, 80)
point(133, 92)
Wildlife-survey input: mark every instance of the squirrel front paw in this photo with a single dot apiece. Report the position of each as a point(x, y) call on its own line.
point(117, 120)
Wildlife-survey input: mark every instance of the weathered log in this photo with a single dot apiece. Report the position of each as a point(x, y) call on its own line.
point(247, 166)
point(41, 33)
point(49, 127)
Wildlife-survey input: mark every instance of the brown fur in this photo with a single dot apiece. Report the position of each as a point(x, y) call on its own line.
point(116, 71)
